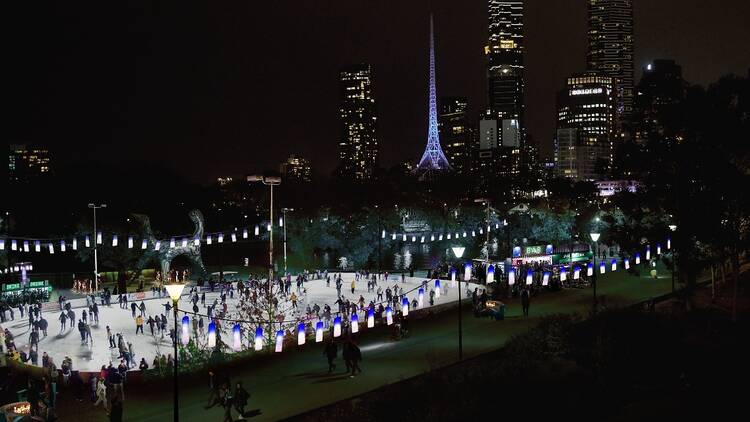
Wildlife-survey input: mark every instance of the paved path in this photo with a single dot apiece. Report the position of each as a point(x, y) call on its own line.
point(284, 386)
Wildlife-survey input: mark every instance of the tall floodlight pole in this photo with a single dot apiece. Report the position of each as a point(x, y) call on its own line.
point(96, 258)
point(268, 181)
point(284, 211)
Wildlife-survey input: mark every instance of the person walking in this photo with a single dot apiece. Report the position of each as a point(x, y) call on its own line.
point(133, 307)
point(355, 356)
point(241, 397)
point(331, 350)
point(63, 318)
point(525, 301)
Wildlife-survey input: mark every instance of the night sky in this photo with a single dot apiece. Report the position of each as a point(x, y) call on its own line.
point(231, 87)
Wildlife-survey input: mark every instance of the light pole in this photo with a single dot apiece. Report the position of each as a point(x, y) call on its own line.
point(458, 251)
point(268, 181)
point(284, 211)
point(673, 228)
point(486, 202)
point(96, 258)
point(595, 238)
point(175, 291)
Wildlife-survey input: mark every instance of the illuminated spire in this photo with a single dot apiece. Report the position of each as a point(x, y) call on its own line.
point(433, 159)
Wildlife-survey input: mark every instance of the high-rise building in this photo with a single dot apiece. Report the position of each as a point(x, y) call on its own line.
point(585, 127)
point(433, 159)
point(456, 133)
point(27, 162)
point(296, 169)
point(610, 52)
point(657, 100)
point(358, 147)
point(504, 51)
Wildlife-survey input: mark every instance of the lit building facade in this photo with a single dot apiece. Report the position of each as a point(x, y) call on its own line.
point(504, 51)
point(296, 169)
point(358, 146)
point(610, 50)
point(585, 127)
point(27, 162)
point(456, 134)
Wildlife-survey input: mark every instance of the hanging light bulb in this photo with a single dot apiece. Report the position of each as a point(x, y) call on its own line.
point(99, 237)
point(545, 278)
point(563, 274)
point(590, 269)
point(432, 238)
point(658, 248)
point(370, 318)
point(473, 233)
point(237, 337)
point(209, 239)
point(420, 297)
point(388, 315)
point(393, 236)
point(490, 274)
point(268, 227)
point(301, 336)
point(114, 240)
point(37, 246)
point(337, 326)
point(422, 240)
point(244, 233)
point(144, 244)
point(511, 276)
point(211, 334)
point(437, 289)
point(355, 323)
point(576, 273)
point(529, 277)
point(602, 267)
point(25, 245)
point(221, 238)
point(185, 330)
point(382, 235)
point(464, 234)
point(637, 259)
point(62, 246)
point(87, 241)
point(627, 264)
point(13, 245)
point(405, 306)
point(669, 243)
point(453, 277)
point(414, 238)
point(279, 340)
point(449, 236)
point(172, 243)
point(614, 265)
point(467, 271)
point(234, 237)
point(648, 252)
point(258, 339)
point(184, 242)
point(2, 244)
point(480, 231)
point(404, 238)
point(281, 222)
point(319, 332)
point(130, 242)
point(157, 245)
point(257, 230)
point(51, 248)
point(440, 237)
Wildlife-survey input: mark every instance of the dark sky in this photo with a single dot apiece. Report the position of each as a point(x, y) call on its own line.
point(231, 87)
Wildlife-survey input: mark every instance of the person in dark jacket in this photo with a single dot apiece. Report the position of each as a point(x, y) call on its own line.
point(240, 398)
point(330, 352)
point(115, 410)
point(525, 301)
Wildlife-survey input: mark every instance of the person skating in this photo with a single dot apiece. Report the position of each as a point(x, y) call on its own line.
point(138, 324)
point(331, 350)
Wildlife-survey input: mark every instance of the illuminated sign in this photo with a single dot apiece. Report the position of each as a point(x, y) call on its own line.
point(507, 44)
point(11, 287)
point(586, 91)
point(533, 250)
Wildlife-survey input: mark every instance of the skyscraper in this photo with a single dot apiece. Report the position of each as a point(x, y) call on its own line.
point(657, 100)
point(358, 147)
point(456, 133)
point(433, 160)
point(585, 127)
point(504, 53)
point(610, 51)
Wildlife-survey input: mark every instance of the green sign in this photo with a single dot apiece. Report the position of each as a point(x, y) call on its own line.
point(533, 250)
point(41, 283)
point(11, 287)
point(572, 257)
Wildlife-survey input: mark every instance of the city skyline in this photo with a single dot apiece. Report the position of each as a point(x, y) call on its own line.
point(233, 115)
